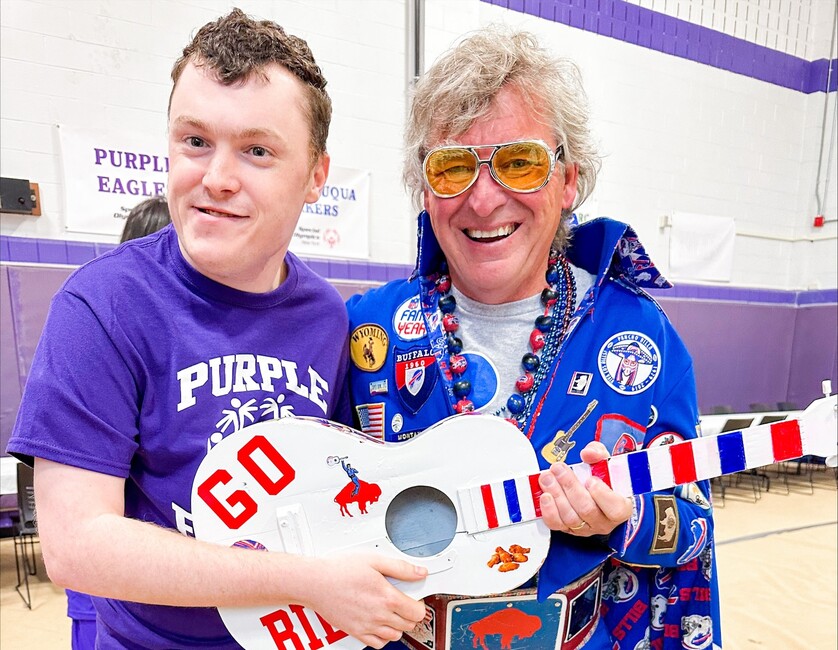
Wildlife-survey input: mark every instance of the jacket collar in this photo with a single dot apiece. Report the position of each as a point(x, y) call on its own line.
point(603, 247)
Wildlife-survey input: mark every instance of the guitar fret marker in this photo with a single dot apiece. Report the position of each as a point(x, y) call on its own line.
point(731, 452)
point(683, 463)
point(535, 490)
point(600, 470)
point(785, 438)
point(641, 480)
point(512, 506)
point(489, 506)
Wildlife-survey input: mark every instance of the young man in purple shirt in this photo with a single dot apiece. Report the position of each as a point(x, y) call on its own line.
point(155, 352)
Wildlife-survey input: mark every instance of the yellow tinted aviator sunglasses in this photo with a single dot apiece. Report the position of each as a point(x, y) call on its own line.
point(522, 166)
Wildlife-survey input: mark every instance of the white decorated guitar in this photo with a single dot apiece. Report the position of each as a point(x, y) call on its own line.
point(460, 499)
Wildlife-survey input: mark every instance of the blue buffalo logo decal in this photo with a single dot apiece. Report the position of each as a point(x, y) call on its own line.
point(416, 376)
point(629, 362)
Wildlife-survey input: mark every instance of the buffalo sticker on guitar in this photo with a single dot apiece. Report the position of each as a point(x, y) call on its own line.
point(356, 491)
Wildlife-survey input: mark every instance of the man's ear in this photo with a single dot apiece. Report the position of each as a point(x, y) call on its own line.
point(571, 174)
point(319, 174)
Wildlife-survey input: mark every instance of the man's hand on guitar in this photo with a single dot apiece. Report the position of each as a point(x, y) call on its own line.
point(358, 598)
point(583, 510)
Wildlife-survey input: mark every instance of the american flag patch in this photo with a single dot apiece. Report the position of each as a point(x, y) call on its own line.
point(371, 419)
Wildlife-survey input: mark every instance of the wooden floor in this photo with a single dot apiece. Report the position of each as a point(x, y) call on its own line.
point(777, 563)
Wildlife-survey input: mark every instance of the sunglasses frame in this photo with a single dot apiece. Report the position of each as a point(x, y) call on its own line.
point(553, 156)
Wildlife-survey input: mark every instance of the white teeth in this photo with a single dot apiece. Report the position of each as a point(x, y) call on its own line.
point(503, 231)
point(215, 213)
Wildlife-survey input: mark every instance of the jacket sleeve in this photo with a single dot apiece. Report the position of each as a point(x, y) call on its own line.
point(670, 527)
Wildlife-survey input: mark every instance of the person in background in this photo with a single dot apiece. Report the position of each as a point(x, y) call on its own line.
point(145, 218)
point(154, 351)
point(514, 312)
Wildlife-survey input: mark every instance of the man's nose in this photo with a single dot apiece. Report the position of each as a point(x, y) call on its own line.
point(486, 195)
point(222, 173)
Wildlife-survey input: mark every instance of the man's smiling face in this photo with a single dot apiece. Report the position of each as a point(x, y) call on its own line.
point(497, 241)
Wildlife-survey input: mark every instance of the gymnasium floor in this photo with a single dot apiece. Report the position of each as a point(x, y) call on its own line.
point(777, 558)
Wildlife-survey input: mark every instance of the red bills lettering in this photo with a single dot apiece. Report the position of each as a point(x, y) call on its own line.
point(288, 634)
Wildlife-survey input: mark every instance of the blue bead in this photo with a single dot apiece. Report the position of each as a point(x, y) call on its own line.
point(462, 387)
point(455, 345)
point(515, 404)
point(552, 275)
point(544, 323)
point(530, 362)
point(549, 296)
point(447, 304)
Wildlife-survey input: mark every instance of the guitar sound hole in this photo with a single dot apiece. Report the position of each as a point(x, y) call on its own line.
point(421, 521)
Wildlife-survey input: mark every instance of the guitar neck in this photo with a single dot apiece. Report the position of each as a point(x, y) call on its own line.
point(658, 468)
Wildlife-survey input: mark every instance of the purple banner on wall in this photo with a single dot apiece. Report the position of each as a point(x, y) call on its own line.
point(657, 31)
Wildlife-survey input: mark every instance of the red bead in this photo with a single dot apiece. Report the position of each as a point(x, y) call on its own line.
point(536, 340)
point(444, 284)
point(458, 364)
point(525, 382)
point(464, 406)
point(450, 323)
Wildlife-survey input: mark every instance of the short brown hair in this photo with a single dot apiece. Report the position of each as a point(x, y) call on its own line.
point(236, 47)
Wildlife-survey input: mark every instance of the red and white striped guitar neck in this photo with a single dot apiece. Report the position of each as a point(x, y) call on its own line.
point(815, 432)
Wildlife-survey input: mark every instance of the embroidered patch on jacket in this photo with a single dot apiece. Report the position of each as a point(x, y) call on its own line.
point(371, 419)
point(629, 362)
point(368, 347)
point(664, 438)
point(580, 382)
point(666, 525)
point(408, 323)
point(618, 433)
point(416, 375)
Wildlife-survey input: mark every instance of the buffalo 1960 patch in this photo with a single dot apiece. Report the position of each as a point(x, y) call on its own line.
point(629, 362)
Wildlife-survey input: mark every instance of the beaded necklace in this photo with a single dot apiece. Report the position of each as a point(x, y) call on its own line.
point(558, 300)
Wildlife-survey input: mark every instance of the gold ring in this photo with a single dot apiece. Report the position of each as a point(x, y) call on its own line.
point(579, 527)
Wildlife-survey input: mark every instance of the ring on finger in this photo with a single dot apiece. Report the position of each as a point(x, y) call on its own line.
point(579, 527)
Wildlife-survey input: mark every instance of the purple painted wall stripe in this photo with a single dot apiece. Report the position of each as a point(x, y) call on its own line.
point(24, 250)
point(656, 31)
point(28, 250)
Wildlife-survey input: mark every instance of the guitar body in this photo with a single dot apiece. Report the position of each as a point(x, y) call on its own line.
point(311, 487)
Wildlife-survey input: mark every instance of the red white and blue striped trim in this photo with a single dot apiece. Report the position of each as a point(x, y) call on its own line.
point(511, 501)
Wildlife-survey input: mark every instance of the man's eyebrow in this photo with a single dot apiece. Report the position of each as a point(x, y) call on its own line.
point(186, 121)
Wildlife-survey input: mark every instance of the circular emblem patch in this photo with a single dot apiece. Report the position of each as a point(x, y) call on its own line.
point(368, 346)
point(408, 323)
point(629, 362)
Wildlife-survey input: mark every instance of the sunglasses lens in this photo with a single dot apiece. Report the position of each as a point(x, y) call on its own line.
point(522, 166)
point(449, 171)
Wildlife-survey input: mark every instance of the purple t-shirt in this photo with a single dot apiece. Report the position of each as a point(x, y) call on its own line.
point(144, 364)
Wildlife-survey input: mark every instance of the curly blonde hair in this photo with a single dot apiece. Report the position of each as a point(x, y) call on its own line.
point(459, 89)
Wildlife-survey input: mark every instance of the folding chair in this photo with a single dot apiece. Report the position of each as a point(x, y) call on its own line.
point(25, 532)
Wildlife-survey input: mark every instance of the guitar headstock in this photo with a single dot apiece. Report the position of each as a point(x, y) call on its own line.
point(820, 423)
